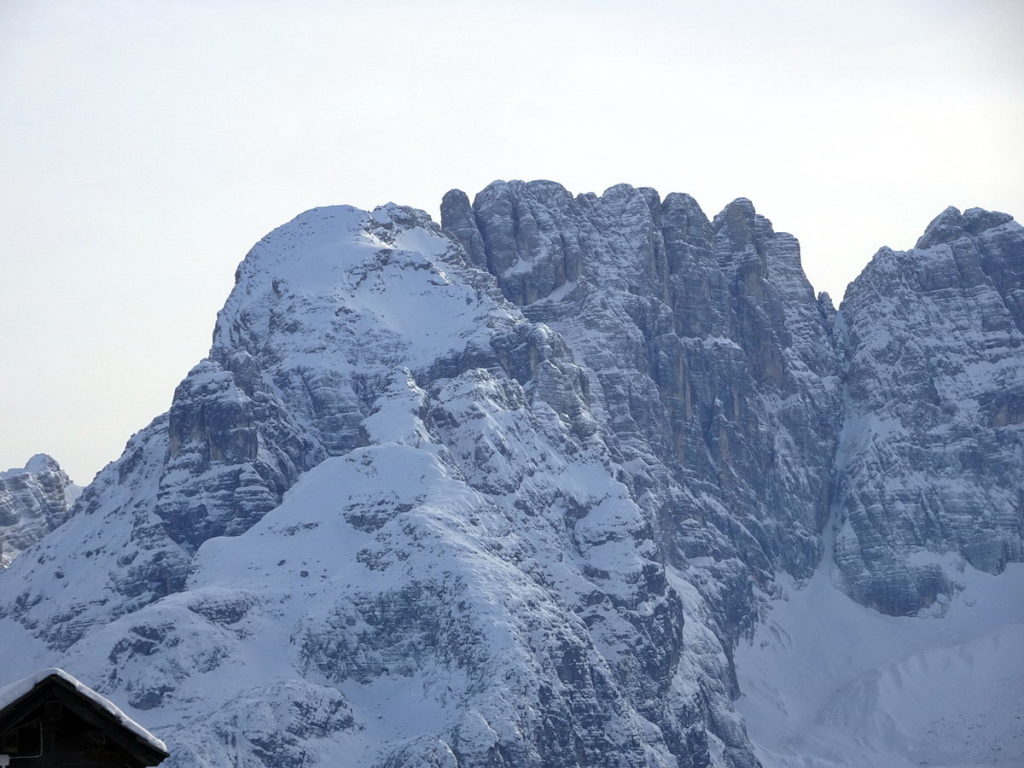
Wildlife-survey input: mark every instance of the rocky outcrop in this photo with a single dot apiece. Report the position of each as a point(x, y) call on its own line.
point(766, 407)
point(715, 363)
point(934, 434)
point(33, 501)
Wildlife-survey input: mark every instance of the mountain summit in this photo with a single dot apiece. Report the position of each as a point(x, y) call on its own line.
point(34, 500)
point(512, 490)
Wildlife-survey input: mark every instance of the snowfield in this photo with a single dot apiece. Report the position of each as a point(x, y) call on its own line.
point(828, 683)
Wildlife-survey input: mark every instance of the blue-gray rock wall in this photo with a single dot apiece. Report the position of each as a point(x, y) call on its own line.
point(932, 463)
point(34, 500)
point(716, 366)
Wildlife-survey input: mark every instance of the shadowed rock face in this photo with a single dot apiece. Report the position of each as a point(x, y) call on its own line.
point(714, 355)
point(506, 493)
point(932, 448)
point(33, 501)
point(715, 363)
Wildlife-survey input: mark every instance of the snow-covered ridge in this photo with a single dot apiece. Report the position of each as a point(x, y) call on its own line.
point(382, 493)
point(510, 491)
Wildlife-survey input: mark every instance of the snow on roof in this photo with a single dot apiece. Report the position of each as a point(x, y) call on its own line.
point(9, 694)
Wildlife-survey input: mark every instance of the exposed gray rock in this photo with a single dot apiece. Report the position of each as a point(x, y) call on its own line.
point(934, 436)
point(715, 363)
point(714, 356)
point(33, 501)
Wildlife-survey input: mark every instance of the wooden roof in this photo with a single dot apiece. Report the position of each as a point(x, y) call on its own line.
point(22, 700)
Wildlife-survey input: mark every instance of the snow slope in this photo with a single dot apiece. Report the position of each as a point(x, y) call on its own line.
point(829, 683)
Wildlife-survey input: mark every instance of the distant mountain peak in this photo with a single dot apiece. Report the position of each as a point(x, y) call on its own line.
point(34, 500)
point(951, 225)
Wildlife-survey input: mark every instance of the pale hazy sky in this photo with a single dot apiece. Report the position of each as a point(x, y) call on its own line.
point(146, 144)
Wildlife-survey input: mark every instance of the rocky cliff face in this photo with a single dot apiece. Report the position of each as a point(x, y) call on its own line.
point(714, 364)
point(933, 443)
point(900, 410)
point(33, 501)
point(507, 492)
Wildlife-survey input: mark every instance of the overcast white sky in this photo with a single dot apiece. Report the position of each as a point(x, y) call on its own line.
point(145, 145)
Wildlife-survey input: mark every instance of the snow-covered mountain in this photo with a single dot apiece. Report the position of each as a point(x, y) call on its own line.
point(513, 490)
point(932, 447)
point(34, 500)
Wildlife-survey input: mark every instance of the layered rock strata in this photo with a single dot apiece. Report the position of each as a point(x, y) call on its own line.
point(932, 457)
